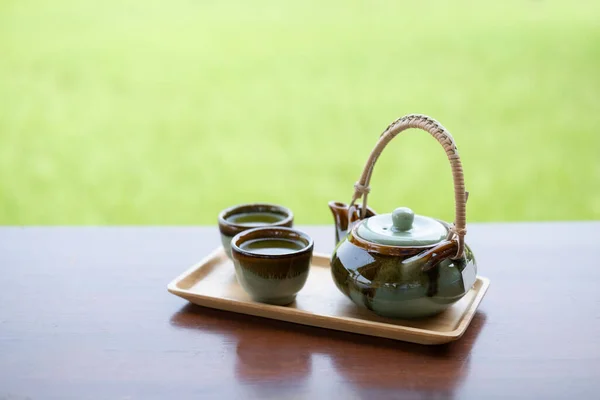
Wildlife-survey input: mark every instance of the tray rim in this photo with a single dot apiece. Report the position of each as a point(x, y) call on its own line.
point(258, 309)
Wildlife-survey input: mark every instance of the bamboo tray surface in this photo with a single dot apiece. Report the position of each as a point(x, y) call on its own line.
point(212, 283)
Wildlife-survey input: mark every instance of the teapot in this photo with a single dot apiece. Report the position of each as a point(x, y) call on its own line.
point(401, 264)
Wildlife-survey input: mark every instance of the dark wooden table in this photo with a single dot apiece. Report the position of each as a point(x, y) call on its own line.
point(85, 314)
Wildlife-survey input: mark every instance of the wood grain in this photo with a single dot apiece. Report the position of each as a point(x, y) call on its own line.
point(84, 314)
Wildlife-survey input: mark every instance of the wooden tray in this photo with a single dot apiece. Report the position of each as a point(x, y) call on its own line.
point(212, 283)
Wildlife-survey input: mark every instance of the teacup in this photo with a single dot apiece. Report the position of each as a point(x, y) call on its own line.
point(272, 263)
point(240, 218)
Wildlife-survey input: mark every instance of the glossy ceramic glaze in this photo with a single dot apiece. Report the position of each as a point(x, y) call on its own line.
point(402, 264)
point(243, 217)
point(400, 281)
point(273, 277)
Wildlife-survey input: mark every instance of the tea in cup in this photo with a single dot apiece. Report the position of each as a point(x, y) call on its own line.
point(242, 217)
point(272, 263)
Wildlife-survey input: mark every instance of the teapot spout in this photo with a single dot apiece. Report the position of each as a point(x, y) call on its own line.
point(342, 219)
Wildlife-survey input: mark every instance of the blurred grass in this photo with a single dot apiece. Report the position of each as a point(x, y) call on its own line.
point(155, 112)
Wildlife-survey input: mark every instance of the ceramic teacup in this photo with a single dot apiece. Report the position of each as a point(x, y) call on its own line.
point(236, 219)
point(272, 263)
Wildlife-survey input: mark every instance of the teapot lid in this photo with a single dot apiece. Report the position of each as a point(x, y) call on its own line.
point(402, 228)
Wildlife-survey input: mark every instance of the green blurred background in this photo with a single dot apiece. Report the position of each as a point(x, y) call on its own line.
point(166, 112)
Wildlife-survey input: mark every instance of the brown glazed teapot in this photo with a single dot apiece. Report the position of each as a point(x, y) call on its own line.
point(400, 264)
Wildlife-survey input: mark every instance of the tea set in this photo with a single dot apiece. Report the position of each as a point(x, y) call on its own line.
point(397, 265)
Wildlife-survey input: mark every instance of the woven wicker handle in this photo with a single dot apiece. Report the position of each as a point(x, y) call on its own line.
point(361, 188)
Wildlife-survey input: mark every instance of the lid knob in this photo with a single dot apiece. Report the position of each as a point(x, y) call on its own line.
point(402, 218)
